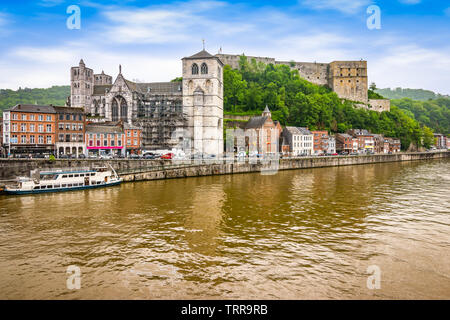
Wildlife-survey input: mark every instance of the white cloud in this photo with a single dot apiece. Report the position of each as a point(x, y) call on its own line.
point(412, 66)
point(345, 6)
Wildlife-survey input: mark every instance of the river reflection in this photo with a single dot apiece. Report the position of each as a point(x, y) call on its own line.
point(301, 234)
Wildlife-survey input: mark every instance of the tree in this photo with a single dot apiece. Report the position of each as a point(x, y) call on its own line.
point(373, 86)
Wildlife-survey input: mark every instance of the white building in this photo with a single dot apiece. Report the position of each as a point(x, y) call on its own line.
point(300, 140)
point(331, 142)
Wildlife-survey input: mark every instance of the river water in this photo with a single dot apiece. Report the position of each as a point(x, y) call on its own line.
point(301, 234)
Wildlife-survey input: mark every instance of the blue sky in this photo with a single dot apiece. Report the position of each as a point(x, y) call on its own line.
point(412, 48)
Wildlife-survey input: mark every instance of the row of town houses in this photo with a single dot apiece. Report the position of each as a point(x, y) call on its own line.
point(35, 129)
point(271, 137)
point(29, 130)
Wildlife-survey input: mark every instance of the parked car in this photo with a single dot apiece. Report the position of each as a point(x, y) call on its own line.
point(81, 156)
point(334, 154)
point(344, 153)
point(167, 156)
point(63, 156)
point(150, 156)
point(354, 153)
point(135, 156)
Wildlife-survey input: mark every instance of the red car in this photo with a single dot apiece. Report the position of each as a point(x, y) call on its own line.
point(334, 154)
point(167, 156)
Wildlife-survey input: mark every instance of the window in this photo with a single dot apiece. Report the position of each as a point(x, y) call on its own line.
point(135, 133)
point(32, 140)
point(128, 141)
point(119, 143)
point(91, 143)
point(112, 143)
point(80, 137)
point(49, 128)
point(23, 127)
point(194, 68)
point(32, 117)
point(74, 137)
point(105, 143)
point(14, 138)
point(23, 139)
point(61, 137)
point(134, 142)
point(204, 68)
point(67, 126)
point(67, 137)
point(98, 143)
point(74, 126)
point(24, 117)
point(67, 116)
point(40, 117)
point(49, 118)
point(14, 127)
point(49, 139)
point(128, 134)
point(41, 128)
point(80, 117)
point(80, 127)
point(61, 117)
point(61, 126)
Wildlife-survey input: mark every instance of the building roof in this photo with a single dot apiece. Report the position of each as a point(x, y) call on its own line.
point(256, 122)
point(304, 131)
point(201, 55)
point(128, 126)
point(32, 108)
point(293, 130)
point(159, 87)
point(68, 110)
point(100, 90)
point(345, 135)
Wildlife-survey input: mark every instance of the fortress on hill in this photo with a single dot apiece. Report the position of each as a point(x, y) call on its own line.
point(347, 78)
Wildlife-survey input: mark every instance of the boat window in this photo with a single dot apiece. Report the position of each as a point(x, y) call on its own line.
point(70, 175)
point(64, 176)
point(92, 174)
point(69, 185)
point(37, 187)
point(76, 175)
point(64, 185)
point(57, 186)
point(82, 175)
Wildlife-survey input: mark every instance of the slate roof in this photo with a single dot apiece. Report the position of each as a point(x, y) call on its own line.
point(160, 87)
point(102, 128)
point(201, 55)
point(256, 122)
point(32, 108)
point(68, 110)
point(100, 90)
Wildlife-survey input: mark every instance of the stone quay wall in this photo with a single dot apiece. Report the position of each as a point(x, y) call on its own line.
point(141, 170)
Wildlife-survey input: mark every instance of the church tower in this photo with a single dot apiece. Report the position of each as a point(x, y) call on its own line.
point(203, 102)
point(81, 86)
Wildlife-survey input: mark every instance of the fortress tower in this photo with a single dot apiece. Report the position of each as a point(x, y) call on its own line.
point(203, 101)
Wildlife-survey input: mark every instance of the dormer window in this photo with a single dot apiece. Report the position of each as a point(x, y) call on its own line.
point(204, 68)
point(194, 68)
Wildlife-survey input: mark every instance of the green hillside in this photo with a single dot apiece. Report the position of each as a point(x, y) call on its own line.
point(56, 95)
point(433, 113)
point(295, 101)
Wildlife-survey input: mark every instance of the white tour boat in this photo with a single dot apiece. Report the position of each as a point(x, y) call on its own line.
point(65, 180)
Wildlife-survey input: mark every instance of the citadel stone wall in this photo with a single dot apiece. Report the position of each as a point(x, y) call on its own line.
point(380, 105)
point(347, 78)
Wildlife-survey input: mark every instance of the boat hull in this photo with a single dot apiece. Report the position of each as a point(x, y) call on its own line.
point(19, 192)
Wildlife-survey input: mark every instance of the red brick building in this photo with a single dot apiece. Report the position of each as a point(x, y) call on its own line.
point(320, 141)
point(133, 136)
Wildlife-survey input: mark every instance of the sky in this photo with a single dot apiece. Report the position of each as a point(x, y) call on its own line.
point(411, 49)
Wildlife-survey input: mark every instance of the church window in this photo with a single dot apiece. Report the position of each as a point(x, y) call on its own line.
point(194, 68)
point(204, 68)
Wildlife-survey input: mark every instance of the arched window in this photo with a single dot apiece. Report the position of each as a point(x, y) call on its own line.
point(204, 68)
point(194, 68)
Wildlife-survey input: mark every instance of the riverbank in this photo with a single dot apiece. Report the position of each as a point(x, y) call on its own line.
point(141, 170)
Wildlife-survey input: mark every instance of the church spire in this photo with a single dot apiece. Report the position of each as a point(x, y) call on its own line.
point(120, 69)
